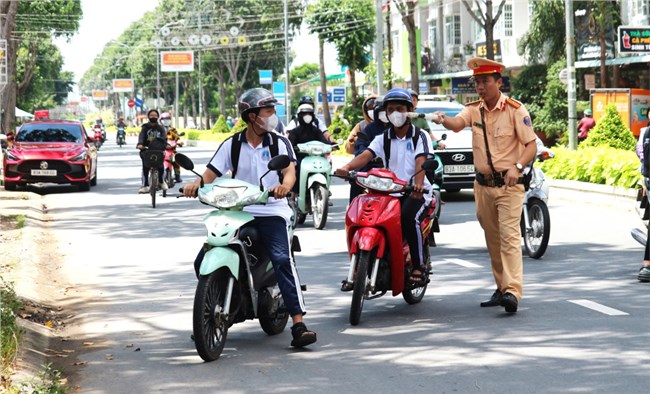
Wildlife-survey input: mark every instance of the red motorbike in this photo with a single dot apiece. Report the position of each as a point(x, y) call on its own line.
point(379, 256)
point(98, 136)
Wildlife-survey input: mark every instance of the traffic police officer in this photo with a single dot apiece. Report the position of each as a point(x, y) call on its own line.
point(503, 142)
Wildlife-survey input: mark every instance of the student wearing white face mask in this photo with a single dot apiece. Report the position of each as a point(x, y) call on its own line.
point(403, 149)
point(305, 131)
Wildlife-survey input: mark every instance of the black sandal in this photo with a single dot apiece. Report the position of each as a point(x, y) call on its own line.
point(302, 336)
point(417, 279)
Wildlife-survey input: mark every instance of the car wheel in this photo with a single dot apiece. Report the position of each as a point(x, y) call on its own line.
point(84, 186)
point(10, 186)
point(93, 182)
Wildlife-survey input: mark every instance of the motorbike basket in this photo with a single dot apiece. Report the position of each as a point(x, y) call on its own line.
point(153, 158)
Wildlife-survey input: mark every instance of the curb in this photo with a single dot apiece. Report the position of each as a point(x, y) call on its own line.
point(592, 188)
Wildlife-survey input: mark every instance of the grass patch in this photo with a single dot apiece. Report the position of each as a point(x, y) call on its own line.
point(9, 330)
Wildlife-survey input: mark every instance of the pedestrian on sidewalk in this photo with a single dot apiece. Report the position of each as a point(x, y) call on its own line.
point(643, 151)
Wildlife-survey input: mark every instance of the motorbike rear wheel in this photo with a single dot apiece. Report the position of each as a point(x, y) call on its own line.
point(320, 206)
point(537, 233)
point(360, 284)
point(169, 179)
point(209, 322)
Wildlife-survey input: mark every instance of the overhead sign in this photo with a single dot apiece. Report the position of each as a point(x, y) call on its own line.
point(100, 95)
point(266, 77)
point(177, 61)
point(122, 85)
point(633, 39)
point(334, 95)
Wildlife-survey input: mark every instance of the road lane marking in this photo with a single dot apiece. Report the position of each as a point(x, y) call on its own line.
point(462, 263)
point(599, 307)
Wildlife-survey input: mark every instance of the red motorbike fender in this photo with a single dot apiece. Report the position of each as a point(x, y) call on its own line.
point(368, 238)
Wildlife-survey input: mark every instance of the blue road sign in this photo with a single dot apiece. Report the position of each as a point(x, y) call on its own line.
point(266, 77)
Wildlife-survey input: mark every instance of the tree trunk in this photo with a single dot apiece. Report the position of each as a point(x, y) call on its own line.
point(186, 89)
point(9, 9)
point(389, 43)
point(323, 82)
point(193, 99)
point(603, 59)
point(409, 22)
point(489, 30)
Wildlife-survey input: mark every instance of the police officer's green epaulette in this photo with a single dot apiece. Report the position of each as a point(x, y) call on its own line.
point(473, 103)
point(513, 102)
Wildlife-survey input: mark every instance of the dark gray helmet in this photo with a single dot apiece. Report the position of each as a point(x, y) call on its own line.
point(253, 99)
point(306, 100)
point(398, 95)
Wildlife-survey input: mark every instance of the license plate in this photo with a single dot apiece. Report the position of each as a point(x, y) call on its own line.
point(44, 172)
point(459, 169)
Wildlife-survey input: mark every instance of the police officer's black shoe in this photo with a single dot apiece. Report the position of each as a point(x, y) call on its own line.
point(495, 300)
point(509, 301)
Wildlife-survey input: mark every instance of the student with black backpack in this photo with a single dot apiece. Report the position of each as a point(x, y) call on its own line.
point(246, 155)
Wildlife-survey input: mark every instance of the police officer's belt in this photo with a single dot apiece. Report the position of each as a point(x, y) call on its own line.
point(496, 179)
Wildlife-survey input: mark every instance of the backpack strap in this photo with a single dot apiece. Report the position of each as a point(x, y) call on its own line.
point(235, 149)
point(416, 136)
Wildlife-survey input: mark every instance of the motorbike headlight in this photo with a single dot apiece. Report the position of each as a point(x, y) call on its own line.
point(228, 197)
point(80, 157)
point(380, 184)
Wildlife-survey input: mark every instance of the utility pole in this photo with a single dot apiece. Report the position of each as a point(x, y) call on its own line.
point(287, 100)
point(571, 81)
point(200, 77)
point(379, 48)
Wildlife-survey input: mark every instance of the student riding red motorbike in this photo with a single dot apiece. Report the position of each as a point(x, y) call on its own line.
point(387, 227)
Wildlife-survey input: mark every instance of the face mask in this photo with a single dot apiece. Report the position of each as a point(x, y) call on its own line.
point(371, 114)
point(307, 119)
point(269, 123)
point(166, 122)
point(397, 118)
point(382, 117)
point(153, 120)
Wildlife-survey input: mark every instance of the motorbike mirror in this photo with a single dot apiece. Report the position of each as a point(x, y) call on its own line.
point(279, 162)
point(336, 130)
point(339, 141)
point(184, 162)
point(182, 133)
point(444, 136)
point(430, 165)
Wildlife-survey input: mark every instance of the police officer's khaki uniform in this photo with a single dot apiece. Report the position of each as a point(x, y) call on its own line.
point(498, 209)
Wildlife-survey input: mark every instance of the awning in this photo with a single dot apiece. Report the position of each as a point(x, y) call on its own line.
point(23, 114)
point(612, 62)
point(329, 77)
point(466, 73)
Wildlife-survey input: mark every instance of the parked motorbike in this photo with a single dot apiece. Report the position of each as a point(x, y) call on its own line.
point(313, 191)
point(535, 218)
point(121, 136)
point(379, 256)
point(236, 279)
point(170, 160)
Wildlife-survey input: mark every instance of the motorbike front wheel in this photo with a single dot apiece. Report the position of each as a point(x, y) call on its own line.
point(320, 205)
point(538, 230)
point(360, 283)
point(209, 321)
point(153, 185)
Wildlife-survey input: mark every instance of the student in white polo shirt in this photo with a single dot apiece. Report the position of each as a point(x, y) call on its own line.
point(409, 148)
point(272, 220)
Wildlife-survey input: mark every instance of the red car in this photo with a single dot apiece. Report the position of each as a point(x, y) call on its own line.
point(51, 151)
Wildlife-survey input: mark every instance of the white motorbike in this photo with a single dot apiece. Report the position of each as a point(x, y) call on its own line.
point(535, 218)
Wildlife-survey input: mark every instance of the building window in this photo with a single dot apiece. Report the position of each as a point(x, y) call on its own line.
point(507, 20)
point(433, 35)
point(452, 30)
point(641, 7)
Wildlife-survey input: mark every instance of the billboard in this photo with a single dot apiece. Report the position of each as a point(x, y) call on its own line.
point(633, 39)
point(122, 85)
point(100, 95)
point(177, 61)
point(631, 104)
point(587, 35)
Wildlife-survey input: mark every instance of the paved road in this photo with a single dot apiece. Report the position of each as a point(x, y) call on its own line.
point(134, 264)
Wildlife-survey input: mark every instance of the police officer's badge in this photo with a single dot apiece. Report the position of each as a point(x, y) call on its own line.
point(527, 121)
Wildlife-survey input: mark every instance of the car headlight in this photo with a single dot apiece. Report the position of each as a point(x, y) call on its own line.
point(10, 156)
point(228, 197)
point(380, 184)
point(80, 157)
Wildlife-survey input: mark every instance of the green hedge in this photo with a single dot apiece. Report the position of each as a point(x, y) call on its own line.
point(601, 165)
